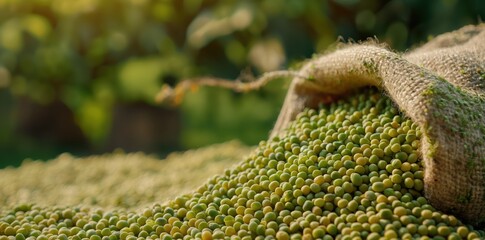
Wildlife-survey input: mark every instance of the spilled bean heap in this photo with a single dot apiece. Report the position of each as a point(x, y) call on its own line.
point(133, 180)
point(348, 171)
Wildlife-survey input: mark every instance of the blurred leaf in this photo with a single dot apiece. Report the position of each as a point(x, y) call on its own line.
point(4, 77)
point(117, 41)
point(236, 52)
point(74, 96)
point(267, 55)
point(207, 25)
point(37, 26)
point(140, 78)
point(163, 11)
point(11, 35)
point(94, 118)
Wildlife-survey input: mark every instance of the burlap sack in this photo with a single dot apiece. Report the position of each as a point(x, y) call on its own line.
point(440, 86)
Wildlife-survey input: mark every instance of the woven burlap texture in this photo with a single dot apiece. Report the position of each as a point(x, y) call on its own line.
point(440, 86)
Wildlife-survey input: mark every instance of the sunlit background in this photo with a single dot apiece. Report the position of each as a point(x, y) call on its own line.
point(81, 76)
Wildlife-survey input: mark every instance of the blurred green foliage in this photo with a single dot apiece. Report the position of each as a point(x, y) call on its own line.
point(92, 54)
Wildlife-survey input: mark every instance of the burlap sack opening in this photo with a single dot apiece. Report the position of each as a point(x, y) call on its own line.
point(440, 86)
